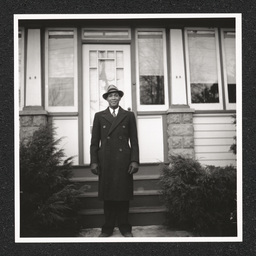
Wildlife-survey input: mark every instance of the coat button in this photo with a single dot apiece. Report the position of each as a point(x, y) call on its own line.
point(120, 137)
point(104, 126)
point(120, 150)
point(108, 137)
point(124, 126)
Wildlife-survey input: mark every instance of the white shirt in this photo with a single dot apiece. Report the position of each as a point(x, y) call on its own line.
point(112, 110)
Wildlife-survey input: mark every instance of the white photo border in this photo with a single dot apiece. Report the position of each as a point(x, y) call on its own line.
point(238, 27)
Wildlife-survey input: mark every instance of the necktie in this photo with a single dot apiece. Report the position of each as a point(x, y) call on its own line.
point(114, 114)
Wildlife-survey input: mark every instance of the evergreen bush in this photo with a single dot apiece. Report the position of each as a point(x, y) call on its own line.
point(199, 199)
point(233, 146)
point(48, 199)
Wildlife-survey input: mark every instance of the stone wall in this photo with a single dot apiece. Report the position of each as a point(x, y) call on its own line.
point(180, 132)
point(31, 119)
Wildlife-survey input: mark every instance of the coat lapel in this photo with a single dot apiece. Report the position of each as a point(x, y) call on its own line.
point(106, 114)
point(121, 115)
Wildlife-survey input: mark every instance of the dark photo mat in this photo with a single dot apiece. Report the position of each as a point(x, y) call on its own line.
point(7, 142)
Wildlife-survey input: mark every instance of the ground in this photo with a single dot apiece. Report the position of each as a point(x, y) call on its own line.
point(140, 231)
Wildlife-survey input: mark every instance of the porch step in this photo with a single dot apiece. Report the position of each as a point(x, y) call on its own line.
point(145, 169)
point(148, 198)
point(139, 216)
point(140, 183)
point(146, 208)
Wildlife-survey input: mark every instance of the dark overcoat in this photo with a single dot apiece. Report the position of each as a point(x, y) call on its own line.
point(114, 145)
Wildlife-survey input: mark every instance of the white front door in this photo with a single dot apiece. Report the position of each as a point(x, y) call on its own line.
point(103, 65)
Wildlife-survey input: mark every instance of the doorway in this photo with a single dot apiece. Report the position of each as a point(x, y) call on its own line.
point(103, 65)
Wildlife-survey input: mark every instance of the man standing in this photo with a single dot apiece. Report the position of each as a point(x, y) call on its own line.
point(115, 158)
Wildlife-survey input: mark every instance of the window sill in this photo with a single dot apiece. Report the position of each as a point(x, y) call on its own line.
point(63, 114)
point(33, 111)
point(215, 111)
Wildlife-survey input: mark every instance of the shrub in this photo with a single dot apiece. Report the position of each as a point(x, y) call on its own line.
point(233, 146)
point(220, 197)
point(48, 199)
point(199, 199)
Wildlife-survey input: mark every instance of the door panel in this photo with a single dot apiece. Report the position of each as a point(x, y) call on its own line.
point(103, 65)
point(69, 140)
point(150, 134)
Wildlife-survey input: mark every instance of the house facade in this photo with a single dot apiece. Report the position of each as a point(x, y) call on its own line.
point(178, 76)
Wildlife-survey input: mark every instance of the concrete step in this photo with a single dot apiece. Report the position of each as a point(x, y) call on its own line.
point(148, 198)
point(139, 216)
point(141, 182)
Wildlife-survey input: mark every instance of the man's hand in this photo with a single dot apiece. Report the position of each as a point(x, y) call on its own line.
point(95, 169)
point(133, 168)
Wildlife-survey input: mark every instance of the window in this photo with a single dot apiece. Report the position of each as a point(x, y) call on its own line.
point(106, 34)
point(21, 68)
point(229, 64)
point(152, 79)
point(203, 67)
point(61, 70)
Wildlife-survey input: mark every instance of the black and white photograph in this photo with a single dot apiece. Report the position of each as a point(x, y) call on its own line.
point(128, 128)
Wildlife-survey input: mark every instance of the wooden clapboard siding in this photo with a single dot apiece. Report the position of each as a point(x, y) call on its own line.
point(213, 136)
point(214, 141)
point(213, 148)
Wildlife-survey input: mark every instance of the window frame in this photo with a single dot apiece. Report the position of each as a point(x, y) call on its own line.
point(22, 68)
point(229, 106)
point(61, 108)
point(105, 38)
point(152, 107)
point(204, 106)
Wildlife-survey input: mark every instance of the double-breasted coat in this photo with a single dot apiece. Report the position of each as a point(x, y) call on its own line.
point(114, 145)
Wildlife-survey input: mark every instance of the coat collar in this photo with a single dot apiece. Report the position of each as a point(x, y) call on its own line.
point(107, 115)
point(115, 121)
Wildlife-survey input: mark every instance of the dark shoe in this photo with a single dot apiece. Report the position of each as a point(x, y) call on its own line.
point(127, 234)
point(104, 234)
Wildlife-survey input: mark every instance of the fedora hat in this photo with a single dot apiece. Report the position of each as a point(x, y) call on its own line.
point(112, 88)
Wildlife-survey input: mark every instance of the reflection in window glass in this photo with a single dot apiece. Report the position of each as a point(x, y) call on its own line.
point(107, 73)
point(151, 69)
point(203, 67)
point(61, 68)
point(230, 64)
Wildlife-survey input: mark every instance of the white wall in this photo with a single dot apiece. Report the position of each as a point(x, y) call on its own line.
point(67, 129)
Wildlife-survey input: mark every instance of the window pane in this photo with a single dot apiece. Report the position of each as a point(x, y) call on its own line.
point(111, 54)
point(94, 92)
point(102, 54)
point(106, 34)
point(107, 73)
point(61, 68)
point(119, 77)
point(20, 69)
point(119, 59)
point(203, 67)
point(230, 64)
point(151, 69)
point(93, 58)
